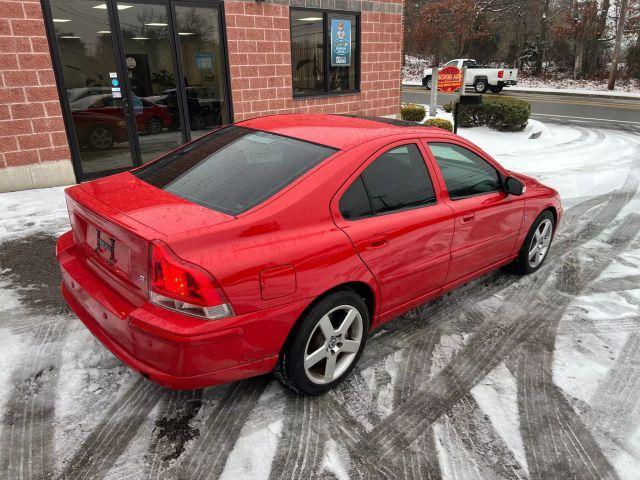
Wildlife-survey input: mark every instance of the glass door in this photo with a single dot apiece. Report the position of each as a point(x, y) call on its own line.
point(87, 63)
point(141, 77)
point(203, 63)
point(149, 61)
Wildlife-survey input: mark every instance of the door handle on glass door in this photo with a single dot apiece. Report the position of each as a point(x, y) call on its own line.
point(468, 218)
point(378, 242)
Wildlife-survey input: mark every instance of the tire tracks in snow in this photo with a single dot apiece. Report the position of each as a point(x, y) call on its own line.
point(118, 427)
point(221, 429)
point(421, 461)
point(26, 445)
point(616, 403)
point(557, 443)
point(495, 340)
point(172, 432)
point(473, 447)
point(301, 445)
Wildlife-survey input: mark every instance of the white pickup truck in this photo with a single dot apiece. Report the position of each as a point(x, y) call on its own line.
point(479, 78)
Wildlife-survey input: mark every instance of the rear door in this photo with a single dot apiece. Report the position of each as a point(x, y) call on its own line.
point(487, 219)
point(398, 224)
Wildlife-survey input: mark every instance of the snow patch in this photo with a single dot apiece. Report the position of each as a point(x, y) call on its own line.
point(9, 299)
point(497, 397)
point(253, 453)
point(13, 347)
point(30, 211)
point(336, 460)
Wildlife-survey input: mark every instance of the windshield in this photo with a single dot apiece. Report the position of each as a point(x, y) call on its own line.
point(234, 169)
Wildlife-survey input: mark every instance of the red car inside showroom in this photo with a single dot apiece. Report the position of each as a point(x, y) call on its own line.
point(279, 243)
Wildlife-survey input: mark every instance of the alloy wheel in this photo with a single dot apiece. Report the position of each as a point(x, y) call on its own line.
point(154, 126)
point(333, 344)
point(101, 138)
point(540, 243)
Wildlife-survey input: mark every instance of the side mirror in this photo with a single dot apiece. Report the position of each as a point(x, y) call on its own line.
point(513, 186)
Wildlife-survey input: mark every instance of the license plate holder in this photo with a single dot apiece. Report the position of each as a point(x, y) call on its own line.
point(105, 247)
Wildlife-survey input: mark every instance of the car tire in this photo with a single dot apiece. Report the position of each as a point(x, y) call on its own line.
point(427, 82)
point(330, 334)
point(537, 243)
point(198, 122)
point(496, 89)
point(153, 126)
point(100, 138)
point(480, 86)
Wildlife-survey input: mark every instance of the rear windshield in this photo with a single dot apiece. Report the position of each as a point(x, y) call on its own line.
point(234, 169)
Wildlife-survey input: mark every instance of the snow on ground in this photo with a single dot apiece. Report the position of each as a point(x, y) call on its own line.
point(32, 210)
point(506, 377)
point(623, 87)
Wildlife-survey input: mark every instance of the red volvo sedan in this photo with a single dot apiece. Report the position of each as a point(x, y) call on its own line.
point(279, 243)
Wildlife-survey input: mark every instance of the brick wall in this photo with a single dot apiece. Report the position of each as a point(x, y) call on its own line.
point(31, 126)
point(258, 38)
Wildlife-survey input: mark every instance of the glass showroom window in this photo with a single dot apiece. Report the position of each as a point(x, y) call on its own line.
point(324, 52)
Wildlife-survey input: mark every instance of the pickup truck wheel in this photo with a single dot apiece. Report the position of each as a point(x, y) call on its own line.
point(496, 88)
point(480, 86)
point(325, 344)
point(427, 82)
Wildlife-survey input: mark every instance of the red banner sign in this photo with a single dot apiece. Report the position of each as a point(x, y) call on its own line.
point(450, 79)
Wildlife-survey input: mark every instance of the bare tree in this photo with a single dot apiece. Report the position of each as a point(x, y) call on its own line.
point(622, 12)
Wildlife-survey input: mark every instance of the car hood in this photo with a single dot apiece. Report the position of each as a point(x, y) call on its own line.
point(157, 209)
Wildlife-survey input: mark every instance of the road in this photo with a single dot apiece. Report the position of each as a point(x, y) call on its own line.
point(597, 112)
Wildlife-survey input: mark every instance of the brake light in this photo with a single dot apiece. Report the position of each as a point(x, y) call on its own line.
point(501, 74)
point(185, 287)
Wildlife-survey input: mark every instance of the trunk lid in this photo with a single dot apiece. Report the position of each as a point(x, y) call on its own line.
point(114, 221)
point(160, 210)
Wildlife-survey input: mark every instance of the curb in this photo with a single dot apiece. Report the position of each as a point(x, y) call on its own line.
point(563, 93)
point(559, 92)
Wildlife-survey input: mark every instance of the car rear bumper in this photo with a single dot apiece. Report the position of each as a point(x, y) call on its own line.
point(155, 342)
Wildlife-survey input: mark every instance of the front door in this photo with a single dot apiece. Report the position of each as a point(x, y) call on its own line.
point(141, 77)
point(487, 219)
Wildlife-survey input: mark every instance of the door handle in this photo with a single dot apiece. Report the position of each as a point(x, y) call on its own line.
point(379, 242)
point(468, 218)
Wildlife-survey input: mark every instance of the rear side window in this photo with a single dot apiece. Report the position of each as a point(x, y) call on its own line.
point(355, 203)
point(465, 173)
point(399, 179)
point(234, 169)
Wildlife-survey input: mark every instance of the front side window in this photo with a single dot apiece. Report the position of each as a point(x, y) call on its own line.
point(324, 52)
point(234, 169)
point(465, 173)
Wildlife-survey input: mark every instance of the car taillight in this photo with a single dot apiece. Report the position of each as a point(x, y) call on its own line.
point(501, 74)
point(185, 287)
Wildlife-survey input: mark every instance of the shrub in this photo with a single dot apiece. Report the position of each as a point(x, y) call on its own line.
point(412, 112)
point(500, 113)
point(440, 123)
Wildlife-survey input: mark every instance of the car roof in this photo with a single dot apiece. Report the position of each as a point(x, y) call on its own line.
point(337, 131)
